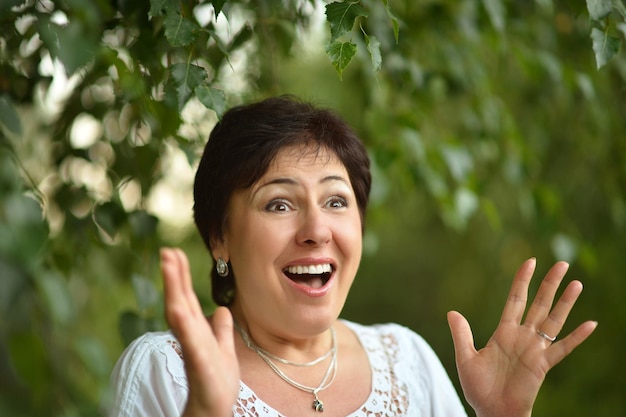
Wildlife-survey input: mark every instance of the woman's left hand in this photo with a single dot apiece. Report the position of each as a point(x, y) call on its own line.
point(503, 378)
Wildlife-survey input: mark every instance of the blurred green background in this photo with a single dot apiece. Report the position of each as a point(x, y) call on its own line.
point(497, 131)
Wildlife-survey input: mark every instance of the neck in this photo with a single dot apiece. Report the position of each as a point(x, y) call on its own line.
point(305, 351)
point(325, 382)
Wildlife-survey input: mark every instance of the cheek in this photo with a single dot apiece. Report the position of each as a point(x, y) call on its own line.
point(257, 237)
point(349, 235)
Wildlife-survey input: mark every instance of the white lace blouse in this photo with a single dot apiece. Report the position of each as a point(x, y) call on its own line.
point(407, 379)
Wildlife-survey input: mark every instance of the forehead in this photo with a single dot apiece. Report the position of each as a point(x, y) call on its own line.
point(303, 157)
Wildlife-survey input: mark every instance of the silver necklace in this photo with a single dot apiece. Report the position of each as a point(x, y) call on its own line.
point(327, 380)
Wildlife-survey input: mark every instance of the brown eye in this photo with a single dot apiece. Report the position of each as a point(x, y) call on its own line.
point(279, 206)
point(336, 202)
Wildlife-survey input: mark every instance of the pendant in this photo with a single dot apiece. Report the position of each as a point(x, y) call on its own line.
point(318, 405)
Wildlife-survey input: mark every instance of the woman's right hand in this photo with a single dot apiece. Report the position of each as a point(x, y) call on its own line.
point(208, 347)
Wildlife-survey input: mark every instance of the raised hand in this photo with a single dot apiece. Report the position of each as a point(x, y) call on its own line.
point(208, 347)
point(503, 378)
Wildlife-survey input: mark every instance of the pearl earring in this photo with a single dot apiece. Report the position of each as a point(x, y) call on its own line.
point(221, 267)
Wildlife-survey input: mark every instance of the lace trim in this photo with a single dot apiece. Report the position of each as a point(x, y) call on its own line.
point(176, 346)
point(395, 397)
point(174, 363)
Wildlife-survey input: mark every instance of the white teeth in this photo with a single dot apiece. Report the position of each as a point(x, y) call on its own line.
point(310, 269)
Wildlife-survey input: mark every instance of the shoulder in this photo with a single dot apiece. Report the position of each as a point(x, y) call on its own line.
point(389, 334)
point(406, 351)
point(151, 349)
point(152, 365)
point(156, 342)
point(402, 360)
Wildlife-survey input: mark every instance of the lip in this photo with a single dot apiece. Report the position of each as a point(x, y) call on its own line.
point(306, 290)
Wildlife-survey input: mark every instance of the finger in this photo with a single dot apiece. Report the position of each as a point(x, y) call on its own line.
point(181, 303)
point(542, 303)
point(184, 273)
point(553, 324)
point(462, 337)
point(518, 295)
point(222, 324)
point(186, 283)
point(565, 346)
point(171, 278)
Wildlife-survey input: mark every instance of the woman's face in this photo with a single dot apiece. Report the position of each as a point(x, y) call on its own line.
point(294, 242)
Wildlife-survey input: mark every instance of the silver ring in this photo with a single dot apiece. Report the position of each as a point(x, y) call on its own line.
point(545, 336)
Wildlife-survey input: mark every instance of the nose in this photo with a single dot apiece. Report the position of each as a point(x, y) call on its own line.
point(314, 229)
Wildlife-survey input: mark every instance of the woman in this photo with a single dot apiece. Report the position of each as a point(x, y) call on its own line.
point(280, 200)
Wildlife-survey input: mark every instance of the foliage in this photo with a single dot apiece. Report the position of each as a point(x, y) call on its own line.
point(608, 20)
point(493, 138)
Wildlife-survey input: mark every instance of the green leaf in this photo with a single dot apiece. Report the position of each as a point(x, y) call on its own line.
point(12, 284)
point(161, 7)
point(10, 179)
point(142, 224)
point(241, 37)
point(457, 212)
point(9, 117)
point(466, 203)
point(93, 355)
point(145, 292)
point(131, 84)
point(57, 295)
point(218, 42)
point(131, 326)
point(23, 230)
point(604, 46)
point(598, 9)
point(185, 78)
point(373, 47)
point(6, 5)
point(109, 217)
point(620, 7)
point(218, 5)
point(496, 11)
point(340, 54)
point(179, 30)
point(564, 247)
point(341, 17)
point(29, 358)
point(459, 161)
point(70, 44)
point(492, 214)
point(394, 20)
point(212, 98)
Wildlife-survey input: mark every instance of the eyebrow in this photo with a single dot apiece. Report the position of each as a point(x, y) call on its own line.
point(291, 181)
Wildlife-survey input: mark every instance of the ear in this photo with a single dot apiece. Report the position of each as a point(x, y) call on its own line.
point(219, 249)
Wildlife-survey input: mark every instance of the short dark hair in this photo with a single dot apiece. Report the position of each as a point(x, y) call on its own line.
point(242, 146)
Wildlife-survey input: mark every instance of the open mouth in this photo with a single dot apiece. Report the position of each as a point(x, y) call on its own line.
point(314, 276)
